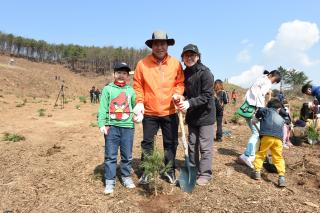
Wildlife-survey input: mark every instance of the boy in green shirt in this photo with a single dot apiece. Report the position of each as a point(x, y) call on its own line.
point(115, 122)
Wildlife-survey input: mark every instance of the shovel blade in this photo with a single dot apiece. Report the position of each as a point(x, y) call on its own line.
point(187, 178)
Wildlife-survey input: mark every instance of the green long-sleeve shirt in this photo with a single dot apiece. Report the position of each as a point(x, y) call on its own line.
point(116, 106)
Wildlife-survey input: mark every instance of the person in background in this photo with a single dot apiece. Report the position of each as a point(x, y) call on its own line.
point(314, 91)
point(255, 96)
point(234, 97)
point(220, 100)
point(281, 97)
point(157, 78)
point(97, 94)
point(93, 89)
point(285, 114)
point(116, 124)
point(311, 90)
point(199, 106)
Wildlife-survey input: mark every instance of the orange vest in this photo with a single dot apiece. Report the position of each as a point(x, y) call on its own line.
point(155, 83)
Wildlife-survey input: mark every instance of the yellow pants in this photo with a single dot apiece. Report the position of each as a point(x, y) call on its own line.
point(275, 146)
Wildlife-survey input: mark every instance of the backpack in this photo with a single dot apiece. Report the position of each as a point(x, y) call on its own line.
point(227, 97)
point(220, 100)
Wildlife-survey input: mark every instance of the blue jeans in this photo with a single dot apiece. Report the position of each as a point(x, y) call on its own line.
point(123, 137)
point(253, 140)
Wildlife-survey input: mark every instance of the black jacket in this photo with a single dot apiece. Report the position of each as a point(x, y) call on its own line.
point(199, 92)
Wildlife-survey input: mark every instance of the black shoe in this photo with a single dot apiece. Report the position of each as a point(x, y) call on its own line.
point(170, 177)
point(144, 179)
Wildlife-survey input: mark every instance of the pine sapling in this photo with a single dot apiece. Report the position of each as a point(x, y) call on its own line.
point(153, 166)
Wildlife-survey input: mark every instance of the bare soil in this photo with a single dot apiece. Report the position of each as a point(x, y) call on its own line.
point(58, 168)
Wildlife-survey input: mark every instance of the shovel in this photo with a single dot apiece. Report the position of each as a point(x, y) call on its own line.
point(188, 174)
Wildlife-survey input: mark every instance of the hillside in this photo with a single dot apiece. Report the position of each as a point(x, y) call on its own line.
point(31, 79)
point(59, 165)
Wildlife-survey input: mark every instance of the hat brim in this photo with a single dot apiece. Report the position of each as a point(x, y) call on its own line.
point(170, 42)
point(191, 50)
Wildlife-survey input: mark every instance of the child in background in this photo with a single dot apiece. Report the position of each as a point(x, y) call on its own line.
point(256, 96)
point(285, 114)
point(271, 136)
point(115, 122)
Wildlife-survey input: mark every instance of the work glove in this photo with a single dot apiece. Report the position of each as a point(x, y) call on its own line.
point(138, 109)
point(183, 106)
point(104, 130)
point(177, 98)
point(137, 118)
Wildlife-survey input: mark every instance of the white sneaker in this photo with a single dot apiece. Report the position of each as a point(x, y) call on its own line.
point(128, 182)
point(252, 158)
point(246, 160)
point(285, 146)
point(109, 187)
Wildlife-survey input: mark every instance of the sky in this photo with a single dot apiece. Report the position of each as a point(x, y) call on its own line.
point(237, 39)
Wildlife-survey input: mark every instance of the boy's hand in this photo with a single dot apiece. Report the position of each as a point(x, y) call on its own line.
point(138, 109)
point(105, 130)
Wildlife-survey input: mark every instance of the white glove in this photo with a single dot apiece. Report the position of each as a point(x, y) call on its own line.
point(104, 130)
point(138, 109)
point(183, 106)
point(137, 118)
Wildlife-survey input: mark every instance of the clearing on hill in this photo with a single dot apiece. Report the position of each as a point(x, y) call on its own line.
point(59, 165)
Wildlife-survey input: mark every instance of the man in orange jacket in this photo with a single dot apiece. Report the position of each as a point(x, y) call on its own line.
point(158, 78)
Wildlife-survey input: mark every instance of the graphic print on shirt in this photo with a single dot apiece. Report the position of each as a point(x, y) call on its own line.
point(119, 107)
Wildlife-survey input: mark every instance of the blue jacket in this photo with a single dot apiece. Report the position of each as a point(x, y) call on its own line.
point(315, 90)
point(271, 123)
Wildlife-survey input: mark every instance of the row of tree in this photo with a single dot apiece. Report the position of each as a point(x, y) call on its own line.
point(292, 78)
point(77, 58)
point(292, 81)
point(100, 60)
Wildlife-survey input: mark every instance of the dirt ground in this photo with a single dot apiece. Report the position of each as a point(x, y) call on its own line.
point(58, 167)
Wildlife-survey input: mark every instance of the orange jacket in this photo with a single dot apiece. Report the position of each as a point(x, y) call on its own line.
point(155, 83)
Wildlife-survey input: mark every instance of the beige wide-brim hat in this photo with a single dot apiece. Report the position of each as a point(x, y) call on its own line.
point(159, 35)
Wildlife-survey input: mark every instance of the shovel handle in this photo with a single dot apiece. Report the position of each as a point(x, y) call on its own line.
point(184, 140)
